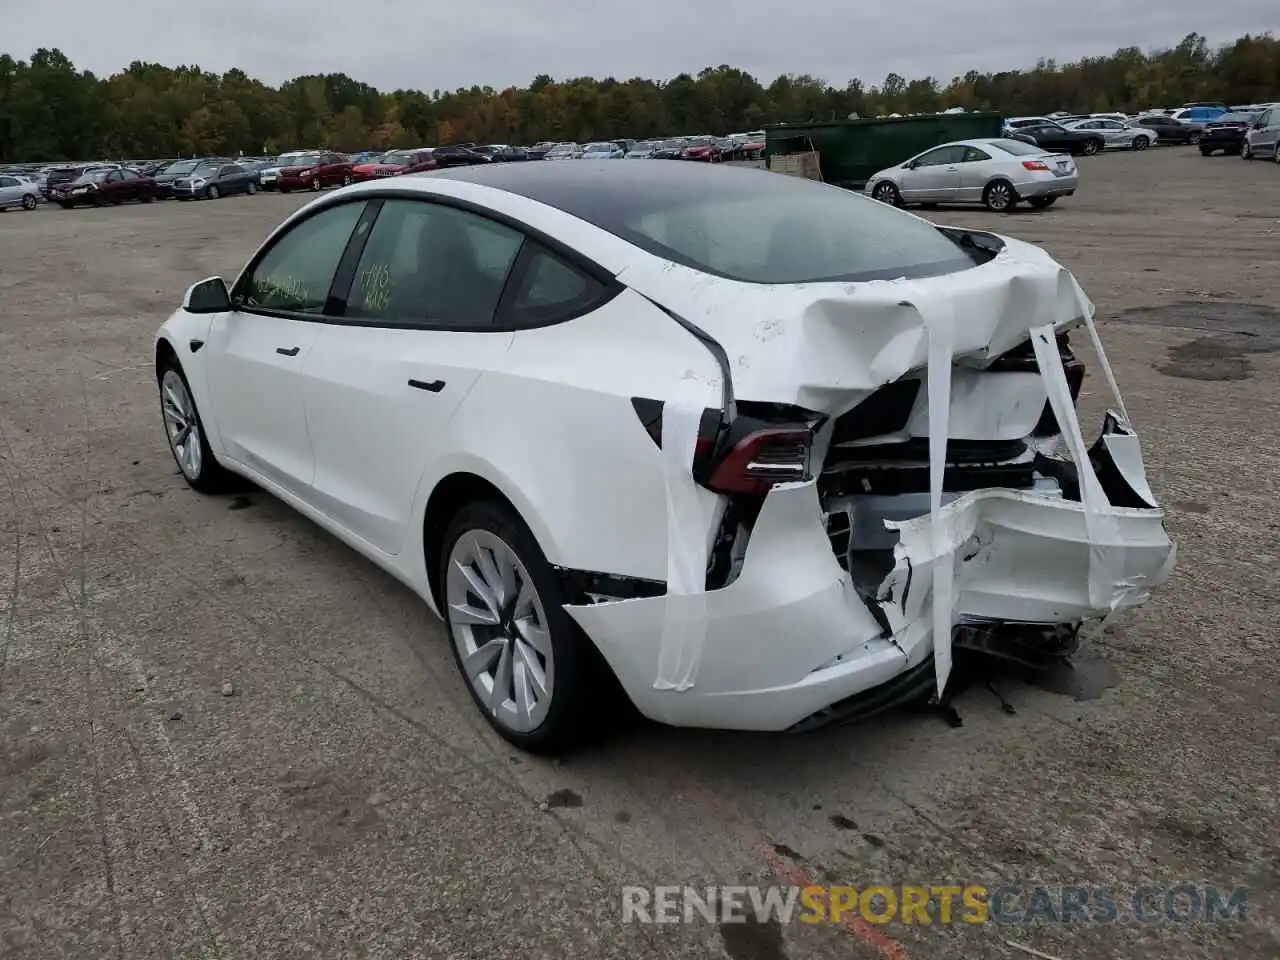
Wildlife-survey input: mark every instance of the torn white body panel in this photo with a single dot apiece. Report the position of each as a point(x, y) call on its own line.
point(803, 627)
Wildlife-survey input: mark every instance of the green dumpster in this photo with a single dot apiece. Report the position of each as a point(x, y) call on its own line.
point(850, 151)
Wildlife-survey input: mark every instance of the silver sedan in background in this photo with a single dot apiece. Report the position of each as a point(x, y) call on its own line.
point(995, 172)
point(1116, 134)
point(18, 191)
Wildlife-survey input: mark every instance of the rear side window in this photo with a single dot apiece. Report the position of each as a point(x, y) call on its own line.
point(296, 273)
point(548, 289)
point(427, 263)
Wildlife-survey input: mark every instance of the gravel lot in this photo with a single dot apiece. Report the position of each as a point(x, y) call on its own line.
point(347, 801)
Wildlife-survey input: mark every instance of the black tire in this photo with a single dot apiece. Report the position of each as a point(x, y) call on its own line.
point(284, 189)
point(1141, 143)
point(579, 676)
point(1206, 151)
point(28, 202)
point(1042, 203)
point(316, 185)
point(147, 197)
point(346, 179)
point(65, 204)
point(1091, 146)
point(886, 192)
point(1193, 139)
point(211, 192)
point(1246, 152)
point(251, 189)
point(1000, 197)
point(211, 477)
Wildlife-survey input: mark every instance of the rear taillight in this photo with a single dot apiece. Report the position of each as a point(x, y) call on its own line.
point(1035, 164)
point(759, 449)
point(762, 459)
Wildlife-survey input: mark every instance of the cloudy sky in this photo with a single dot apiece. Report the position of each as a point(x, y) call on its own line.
point(424, 45)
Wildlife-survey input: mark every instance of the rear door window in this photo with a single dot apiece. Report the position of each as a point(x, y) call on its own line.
point(431, 264)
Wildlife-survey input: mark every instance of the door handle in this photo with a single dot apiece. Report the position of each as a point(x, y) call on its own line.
point(431, 386)
point(288, 351)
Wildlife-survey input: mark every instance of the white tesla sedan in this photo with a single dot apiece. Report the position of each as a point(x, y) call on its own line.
point(756, 449)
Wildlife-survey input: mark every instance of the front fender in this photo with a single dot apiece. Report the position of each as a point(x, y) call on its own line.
point(181, 331)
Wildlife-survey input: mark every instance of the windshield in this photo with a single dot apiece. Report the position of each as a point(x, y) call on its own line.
point(644, 145)
point(182, 166)
point(673, 144)
point(1016, 147)
point(309, 160)
point(401, 157)
point(759, 228)
point(1235, 118)
point(600, 148)
point(564, 148)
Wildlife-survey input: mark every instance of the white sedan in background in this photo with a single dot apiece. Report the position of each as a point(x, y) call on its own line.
point(1116, 134)
point(673, 429)
point(18, 191)
point(996, 172)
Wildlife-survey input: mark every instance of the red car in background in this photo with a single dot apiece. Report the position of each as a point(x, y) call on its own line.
point(315, 172)
point(103, 186)
point(393, 163)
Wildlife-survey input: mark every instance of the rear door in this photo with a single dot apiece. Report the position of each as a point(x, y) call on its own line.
point(260, 351)
point(417, 331)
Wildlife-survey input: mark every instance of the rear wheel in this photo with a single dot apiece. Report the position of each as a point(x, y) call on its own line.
point(1091, 146)
point(999, 196)
point(1206, 151)
point(525, 662)
point(1042, 203)
point(346, 179)
point(211, 192)
point(1193, 139)
point(1141, 143)
point(1246, 152)
point(252, 188)
point(28, 202)
point(886, 192)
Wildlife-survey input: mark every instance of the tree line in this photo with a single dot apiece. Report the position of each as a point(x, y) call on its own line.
point(50, 110)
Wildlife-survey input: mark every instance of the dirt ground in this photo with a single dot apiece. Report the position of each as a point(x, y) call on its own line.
point(347, 801)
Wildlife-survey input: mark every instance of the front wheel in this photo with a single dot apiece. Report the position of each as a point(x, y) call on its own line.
point(186, 434)
point(252, 188)
point(1193, 139)
point(525, 662)
point(211, 193)
point(1206, 151)
point(999, 197)
point(346, 179)
point(28, 202)
point(315, 184)
point(1141, 143)
point(886, 192)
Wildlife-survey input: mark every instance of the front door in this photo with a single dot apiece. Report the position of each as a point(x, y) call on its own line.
point(382, 388)
point(260, 353)
point(935, 177)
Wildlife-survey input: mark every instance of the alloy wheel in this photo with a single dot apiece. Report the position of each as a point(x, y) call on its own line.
point(999, 196)
point(28, 202)
point(181, 424)
point(499, 630)
point(885, 193)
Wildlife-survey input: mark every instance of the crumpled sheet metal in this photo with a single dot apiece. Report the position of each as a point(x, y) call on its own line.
point(825, 346)
point(832, 345)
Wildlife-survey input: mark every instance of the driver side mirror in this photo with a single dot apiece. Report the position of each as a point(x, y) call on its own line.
point(207, 296)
